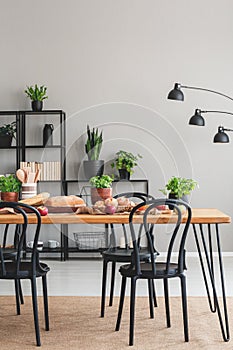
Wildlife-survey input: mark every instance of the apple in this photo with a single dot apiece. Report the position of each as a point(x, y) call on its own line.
point(161, 207)
point(43, 210)
point(110, 209)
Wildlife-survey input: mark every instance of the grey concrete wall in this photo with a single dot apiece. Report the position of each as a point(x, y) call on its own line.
point(111, 64)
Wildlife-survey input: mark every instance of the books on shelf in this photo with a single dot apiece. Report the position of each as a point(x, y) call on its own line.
point(49, 171)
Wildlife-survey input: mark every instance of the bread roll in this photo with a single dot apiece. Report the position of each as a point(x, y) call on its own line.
point(64, 201)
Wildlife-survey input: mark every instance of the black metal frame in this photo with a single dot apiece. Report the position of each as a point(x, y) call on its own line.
point(207, 254)
point(22, 147)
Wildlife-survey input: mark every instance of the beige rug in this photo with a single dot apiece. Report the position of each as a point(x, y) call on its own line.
point(75, 324)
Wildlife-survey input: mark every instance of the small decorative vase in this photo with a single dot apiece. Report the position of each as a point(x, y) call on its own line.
point(100, 194)
point(9, 196)
point(124, 174)
point(37, 106)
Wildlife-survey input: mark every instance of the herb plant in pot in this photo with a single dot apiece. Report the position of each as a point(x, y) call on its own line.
point(179, 188)
point(101, 188)
point(37, 94)
point(93, 166)
point(124, 163)
point(10, 187)
point(7, 133)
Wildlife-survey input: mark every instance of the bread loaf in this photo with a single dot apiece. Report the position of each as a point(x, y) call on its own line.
point(64, 201)
point(39, 199)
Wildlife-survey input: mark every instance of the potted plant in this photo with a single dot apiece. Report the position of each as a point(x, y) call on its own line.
point(101, 187)
point(10, 187)
point(179, 188)
point(7, 133)
point(37, 94)
point(124, 163)
point(93, 166)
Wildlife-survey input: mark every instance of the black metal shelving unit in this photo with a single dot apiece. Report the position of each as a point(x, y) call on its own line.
point(22, 147)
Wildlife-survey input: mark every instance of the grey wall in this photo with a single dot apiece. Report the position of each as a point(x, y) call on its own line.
point(111, 63)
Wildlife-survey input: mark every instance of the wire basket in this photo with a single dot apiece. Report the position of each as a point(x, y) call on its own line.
point(90, 240)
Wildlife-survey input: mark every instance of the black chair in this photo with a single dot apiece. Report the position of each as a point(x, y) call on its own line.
point(10, 253)
point(19, 269)
point(116, 254)
point(171, 267)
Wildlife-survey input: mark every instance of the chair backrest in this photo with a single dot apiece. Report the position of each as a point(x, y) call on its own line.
point(22, 210)
point(177, 238)
point(143, 197)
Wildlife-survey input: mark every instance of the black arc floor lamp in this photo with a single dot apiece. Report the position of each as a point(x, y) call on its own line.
point(177, 94)
point(197, 119)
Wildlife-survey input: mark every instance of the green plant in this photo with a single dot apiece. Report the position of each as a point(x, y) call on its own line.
point(125, 160)
point(36, 93)
point(9, 184)
point(103, 181)
point(8, 129)
point(94, 143)
point(179, 186)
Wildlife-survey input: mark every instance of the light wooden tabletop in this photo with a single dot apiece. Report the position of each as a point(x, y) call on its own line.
point(199, 216)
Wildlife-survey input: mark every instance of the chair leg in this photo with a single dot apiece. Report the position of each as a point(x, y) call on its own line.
point(17, 296)
point(150, 290)
point(154, 294)
point(166, 296)
point(35, 311)
point(132, 310)
point(121, 303)
point(21, 293)
point(46, 308)
point(112, 283)
point(184, 305)
point(104, 279)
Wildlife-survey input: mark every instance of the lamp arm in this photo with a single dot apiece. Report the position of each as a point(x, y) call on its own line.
point(227, 129)
point(203, 89)
point(201, 111)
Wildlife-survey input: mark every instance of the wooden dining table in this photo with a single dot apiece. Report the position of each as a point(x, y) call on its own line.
point(199, 216)
point(205, 223)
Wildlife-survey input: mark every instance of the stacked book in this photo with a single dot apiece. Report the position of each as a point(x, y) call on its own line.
point(49, 171)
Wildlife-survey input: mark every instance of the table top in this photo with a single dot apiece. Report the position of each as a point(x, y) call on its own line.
point(199, 216)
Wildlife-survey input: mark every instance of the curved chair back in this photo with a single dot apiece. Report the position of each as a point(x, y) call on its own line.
point(22, 209)
point(133, 195)
point(177, 239)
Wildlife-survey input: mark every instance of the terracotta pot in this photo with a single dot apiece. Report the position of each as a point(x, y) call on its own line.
point(99, 194)
point(9, 196)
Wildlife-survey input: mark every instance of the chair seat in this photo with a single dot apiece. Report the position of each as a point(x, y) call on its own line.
point(25, 271)
point(124, 254)
point(146, 271)
point(9, 253)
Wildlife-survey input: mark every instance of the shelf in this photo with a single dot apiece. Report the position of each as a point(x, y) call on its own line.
point(44, 111)
point(41, 146)
point(11, 147)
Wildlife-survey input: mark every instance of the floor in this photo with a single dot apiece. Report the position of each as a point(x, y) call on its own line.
point(83, 278)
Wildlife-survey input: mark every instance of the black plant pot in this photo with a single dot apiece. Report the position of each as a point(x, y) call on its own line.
point(93, 168)
point(173, 196)
point(5, 140)
point(37, 106)
point(124, 174)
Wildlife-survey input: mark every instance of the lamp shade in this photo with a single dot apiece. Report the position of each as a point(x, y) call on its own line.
point(197, 119)
point(221, 136)
point(176, 93)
